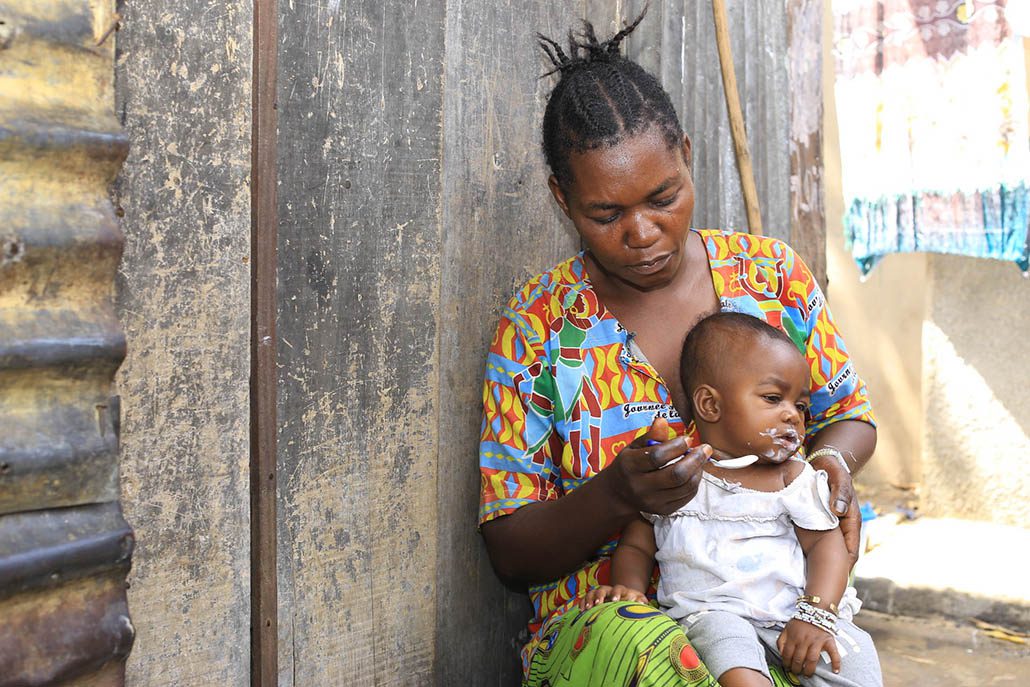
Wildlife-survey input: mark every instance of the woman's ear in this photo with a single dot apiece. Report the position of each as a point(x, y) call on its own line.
point(686, 150)
point(707, 405)
point(559, 194)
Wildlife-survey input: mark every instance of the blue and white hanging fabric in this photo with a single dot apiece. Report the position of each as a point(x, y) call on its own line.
point(935, 141)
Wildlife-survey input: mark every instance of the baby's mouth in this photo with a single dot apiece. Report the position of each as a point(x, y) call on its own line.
point(789, 440)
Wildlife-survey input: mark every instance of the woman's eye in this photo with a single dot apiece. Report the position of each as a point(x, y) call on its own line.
point(606, 220)
point(665, 202)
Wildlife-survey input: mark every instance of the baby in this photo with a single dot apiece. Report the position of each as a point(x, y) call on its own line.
point(733, 560)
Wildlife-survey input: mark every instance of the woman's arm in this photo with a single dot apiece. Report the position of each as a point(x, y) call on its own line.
point(855, 440)
point(841, 416)
point(545, 540)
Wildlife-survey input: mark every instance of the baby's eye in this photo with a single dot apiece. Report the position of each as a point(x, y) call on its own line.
point(802, 407)
point(771, 398)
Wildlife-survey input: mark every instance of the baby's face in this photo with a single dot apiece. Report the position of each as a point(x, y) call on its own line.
point(764, 402)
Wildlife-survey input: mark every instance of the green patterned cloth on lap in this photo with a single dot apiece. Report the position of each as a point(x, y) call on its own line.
point(620, 643)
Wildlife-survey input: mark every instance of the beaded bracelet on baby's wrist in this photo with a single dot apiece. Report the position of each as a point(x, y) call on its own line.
point(813, 615)
point(816, 600)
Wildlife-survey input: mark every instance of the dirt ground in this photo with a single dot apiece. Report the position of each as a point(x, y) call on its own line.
point(932, 652)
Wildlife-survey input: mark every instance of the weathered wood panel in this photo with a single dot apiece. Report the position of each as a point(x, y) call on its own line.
point(360, 93)
point(184, 95)
point(64, 545)
point(805, 144)
point(758, 33)
point(500, 227)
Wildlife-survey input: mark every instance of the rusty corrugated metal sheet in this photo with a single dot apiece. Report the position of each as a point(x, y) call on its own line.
point(64, 546)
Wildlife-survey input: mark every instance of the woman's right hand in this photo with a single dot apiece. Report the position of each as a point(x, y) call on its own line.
point(649, 479)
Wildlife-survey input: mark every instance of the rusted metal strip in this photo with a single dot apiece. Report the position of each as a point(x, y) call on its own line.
point(264, 375)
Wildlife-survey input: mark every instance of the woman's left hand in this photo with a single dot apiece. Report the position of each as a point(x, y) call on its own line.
point(842, 501)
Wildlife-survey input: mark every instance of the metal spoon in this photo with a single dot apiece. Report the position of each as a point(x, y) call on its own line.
point(728, 463)
point(735, 463)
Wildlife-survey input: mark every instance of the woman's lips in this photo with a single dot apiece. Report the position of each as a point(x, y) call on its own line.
point(651, 266)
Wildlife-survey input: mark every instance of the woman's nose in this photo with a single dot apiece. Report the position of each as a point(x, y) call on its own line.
point(641, 232)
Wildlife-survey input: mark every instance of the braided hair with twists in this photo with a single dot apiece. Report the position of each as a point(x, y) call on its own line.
point(600, 99)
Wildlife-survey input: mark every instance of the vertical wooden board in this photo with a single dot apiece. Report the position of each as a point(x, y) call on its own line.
point(183, 91)
point(804, 54)
point(671, 35)
point(758, 33)
point(500, 227)
point(360, 95)
point(644, 45)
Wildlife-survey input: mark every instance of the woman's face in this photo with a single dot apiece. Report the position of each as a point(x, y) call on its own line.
point(632, 204)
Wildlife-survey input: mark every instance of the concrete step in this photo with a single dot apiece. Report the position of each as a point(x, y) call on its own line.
point(958, 569)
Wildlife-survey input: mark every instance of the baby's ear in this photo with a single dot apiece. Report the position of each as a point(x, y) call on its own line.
point(707, 406)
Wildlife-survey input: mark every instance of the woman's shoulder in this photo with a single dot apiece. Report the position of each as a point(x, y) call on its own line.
point(748, 270)
point(550, 290)
point(723, 244)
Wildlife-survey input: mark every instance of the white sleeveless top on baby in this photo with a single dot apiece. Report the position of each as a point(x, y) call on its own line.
point(734, 549)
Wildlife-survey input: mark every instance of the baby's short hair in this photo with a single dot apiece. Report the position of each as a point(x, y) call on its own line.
point(708, 343)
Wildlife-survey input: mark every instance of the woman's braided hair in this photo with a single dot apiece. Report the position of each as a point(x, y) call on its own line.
point(601, 97)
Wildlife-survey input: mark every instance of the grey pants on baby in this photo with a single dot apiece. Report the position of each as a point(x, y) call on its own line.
point(725, 640)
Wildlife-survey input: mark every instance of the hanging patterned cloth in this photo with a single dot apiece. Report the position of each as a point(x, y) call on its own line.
point(933, 113)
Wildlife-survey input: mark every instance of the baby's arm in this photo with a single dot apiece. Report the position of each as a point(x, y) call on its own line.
point(632, 565)
point(827, 567)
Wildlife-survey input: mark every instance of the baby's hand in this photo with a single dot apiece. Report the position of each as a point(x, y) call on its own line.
point(605, 592)
point(800, 644)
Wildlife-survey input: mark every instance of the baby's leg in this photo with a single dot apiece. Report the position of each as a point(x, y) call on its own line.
point(859, 664)
point(730, 648)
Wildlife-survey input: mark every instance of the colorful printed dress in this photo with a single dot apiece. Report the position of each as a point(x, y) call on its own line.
point(563, 393)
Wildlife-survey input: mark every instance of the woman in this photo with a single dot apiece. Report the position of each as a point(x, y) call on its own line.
point(582, 396)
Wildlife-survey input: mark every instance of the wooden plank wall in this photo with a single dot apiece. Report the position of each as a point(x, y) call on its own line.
point(500, 227)
point(758, 33)
point(184, 97)
point(360, 92)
